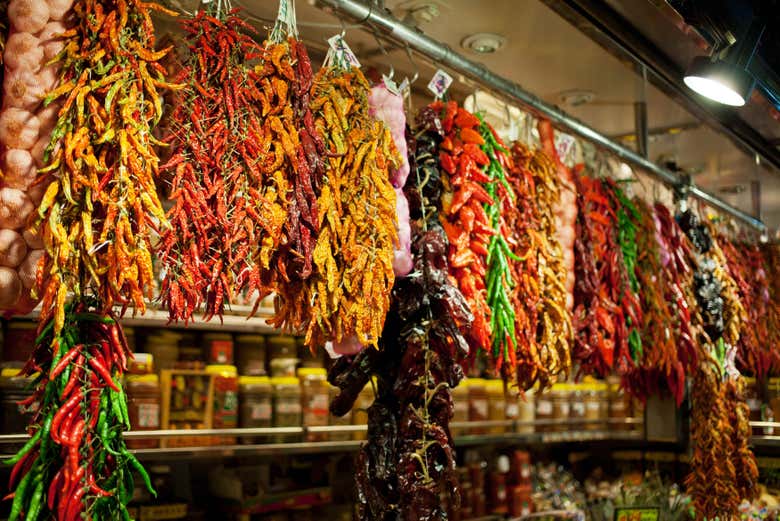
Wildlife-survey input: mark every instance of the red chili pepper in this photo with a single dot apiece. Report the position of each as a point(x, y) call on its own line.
point(466, 119)
point(95, 364)
point(75, 374)
point(63, 363)
point(54, 487)
point(75, 506)
point(63, 412)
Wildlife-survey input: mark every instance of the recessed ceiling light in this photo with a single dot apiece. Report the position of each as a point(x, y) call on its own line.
point(483, 43)
point(732, 189)
point(577, 97)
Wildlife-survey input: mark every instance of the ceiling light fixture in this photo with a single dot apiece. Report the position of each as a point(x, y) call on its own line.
point(483, 43)
point(723, 77)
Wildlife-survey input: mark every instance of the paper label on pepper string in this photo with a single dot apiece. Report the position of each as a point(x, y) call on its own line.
point(342, 50)
point(439, 84)
point(564, 145)
point(391, 85)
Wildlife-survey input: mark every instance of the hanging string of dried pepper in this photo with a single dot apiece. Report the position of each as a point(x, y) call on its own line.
point(353, 257)
point(744, 263)
point(76, 464)
point(466, 224)
point(99, 213)
point(627, 292)
point(223, 203)
point(542, 325)
point(771, 256)
point(723, 469)
point(499, 281)
point(660, 367)
point(600, 343)
point(286, 77)
point(97, 218)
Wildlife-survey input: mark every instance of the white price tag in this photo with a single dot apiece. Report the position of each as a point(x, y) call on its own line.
point(439, 84)
point(564, 145)
point(391, 85)
point(342, 50)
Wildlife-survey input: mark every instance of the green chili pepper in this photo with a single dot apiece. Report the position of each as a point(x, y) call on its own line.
point(25, 449)
point(36, 500)
point(21, 492)
point(142, 471)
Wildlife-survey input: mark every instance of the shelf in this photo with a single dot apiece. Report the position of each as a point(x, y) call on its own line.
point(236, 319)
point(296, 435)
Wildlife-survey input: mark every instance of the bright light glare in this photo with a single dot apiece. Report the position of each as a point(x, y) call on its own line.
point(714, 90)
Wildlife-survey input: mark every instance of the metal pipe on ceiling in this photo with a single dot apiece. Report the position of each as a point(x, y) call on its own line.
point(441, 54)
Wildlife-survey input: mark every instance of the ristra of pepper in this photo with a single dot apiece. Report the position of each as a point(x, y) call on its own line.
point(348, 294)
point(98, 217)
point(543, 324)
point(499, 279)
point(76, 452)
point(229, 202)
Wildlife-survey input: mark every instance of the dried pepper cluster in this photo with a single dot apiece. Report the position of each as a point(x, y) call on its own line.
point(223, 201)
point(745, 262)
point(771, 253)
point(604, 302)
point(669, 313)
point(97, 217)
point(100, 211)
point(353, 256)
point(723, 469)
point(542, 323)
point(287, 72)
point(463, 216)
point(408, 463)
point(76, 464)
point(500, 280)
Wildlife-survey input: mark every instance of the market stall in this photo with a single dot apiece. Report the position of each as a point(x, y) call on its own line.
point(307, 290)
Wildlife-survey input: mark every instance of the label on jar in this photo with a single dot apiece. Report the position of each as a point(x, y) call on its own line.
point(149, 415)
point(288, 407)
point(316, 411)
point(753, 404)
point(578, 409)
point(512, 410)
point(260, 411)
point(564, 410)
point(544, 407)
point(592, 406)
point(478, 410)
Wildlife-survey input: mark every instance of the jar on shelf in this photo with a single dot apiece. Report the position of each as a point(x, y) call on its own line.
point(141, 363)
point(602, 392)
point(13, 389)
point(591, 402)
point(287, 403)
point(496, 404)
point(577, 407)
point(315, 393)
point(219, 348)
point(143, 407)
point(560, 395)
point(526, 411)
point(360, 409)
point(544, 410)
point(511, 405)
point(460, 405)
point(163, 345)
point(774, 404)
point(479, 407)
point(284, 355)
point(225, 399)
point(256, 403)
point(250, 354)
point(619, 406)
point(338, 421)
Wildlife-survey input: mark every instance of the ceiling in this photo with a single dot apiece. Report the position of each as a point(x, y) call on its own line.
point(547, 55)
